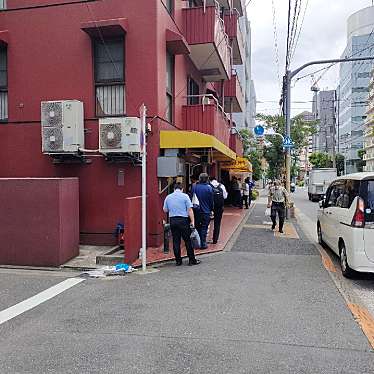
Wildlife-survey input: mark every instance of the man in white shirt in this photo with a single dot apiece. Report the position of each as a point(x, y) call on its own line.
point(219, 197)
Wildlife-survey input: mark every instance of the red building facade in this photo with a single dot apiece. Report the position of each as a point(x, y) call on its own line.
point(166, 54)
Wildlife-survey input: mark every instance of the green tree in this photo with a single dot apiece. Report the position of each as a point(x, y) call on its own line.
point(248, 140)
point(320, 160)
point(255, 159)
point(273, 151)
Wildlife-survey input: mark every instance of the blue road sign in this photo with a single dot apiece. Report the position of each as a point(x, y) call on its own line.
point(288, 143)
point(259, 130)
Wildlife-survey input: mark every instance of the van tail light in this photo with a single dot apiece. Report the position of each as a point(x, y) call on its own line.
point(359, 217)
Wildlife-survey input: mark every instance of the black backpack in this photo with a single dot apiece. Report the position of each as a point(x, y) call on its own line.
point(218, 199)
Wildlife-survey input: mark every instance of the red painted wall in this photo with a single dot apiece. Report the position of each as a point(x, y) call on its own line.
point(50, 57)
point(39, 221)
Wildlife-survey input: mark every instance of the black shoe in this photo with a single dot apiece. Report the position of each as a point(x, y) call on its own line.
point(281, 231)
point(214, 242)
point(204, 247)
point(179, 263)
point(192, 263)
point(273, 227)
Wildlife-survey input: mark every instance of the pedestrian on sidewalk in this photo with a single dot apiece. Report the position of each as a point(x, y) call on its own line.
point(182, 221)
point(277, 201)
point(236, 192)
point(204, 194)
point(219, 197)
point(247, 192)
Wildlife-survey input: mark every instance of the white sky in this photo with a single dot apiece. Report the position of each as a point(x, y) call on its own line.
point(323, 36)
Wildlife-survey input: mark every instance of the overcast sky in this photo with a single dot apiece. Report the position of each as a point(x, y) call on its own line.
point(323, 36)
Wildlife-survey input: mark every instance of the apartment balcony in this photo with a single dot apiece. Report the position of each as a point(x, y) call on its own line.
point(239, 6)
point(226, 4)
point(205, 33)
point(236, 144)
point(207, 117)
point(234, 96)
point(235, 34)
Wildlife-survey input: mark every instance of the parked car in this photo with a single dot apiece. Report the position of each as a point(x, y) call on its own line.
point(319, 180)
point(346, 222)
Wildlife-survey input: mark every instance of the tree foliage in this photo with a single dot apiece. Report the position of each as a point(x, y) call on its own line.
point(255, 159)
point(301, 130)
point(320, 160)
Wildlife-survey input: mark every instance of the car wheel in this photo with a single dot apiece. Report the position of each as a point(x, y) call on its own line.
point(346, 270)
point(319, 233)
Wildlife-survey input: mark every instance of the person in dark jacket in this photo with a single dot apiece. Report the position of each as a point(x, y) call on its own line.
point(204, 193)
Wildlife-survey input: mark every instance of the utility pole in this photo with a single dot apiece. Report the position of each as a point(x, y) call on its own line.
point(143, 118)
point(287, 97)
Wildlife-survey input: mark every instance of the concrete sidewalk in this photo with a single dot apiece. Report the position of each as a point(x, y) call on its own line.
point(266, 306)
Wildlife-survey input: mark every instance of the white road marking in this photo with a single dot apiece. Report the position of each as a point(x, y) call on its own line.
point(32, 302)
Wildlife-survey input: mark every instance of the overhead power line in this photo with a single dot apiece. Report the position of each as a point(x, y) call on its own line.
point(276, 49)
point(300, 29)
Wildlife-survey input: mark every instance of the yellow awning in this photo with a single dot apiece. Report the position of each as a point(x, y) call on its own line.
point(240, 165)
point(194, 139)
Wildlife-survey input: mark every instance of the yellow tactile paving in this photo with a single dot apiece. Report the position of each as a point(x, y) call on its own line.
point(365, 320)
point(289, 232)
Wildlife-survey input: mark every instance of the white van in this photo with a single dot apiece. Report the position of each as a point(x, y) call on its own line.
point(346, 222)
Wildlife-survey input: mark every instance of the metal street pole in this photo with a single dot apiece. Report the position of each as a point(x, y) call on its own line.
point(287, 96)
point(288, 128)
point(143, 117)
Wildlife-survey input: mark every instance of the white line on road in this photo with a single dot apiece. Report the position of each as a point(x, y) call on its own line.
point(32, 302)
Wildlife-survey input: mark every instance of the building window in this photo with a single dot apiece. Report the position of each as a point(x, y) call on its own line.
point(3, 84)
point(169, 87)
point(109, 69)
point(170, 6)
point(2, 4)
point(192, 90)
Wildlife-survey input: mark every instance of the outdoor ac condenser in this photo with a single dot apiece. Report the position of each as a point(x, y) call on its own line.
point(120, 135)
point(62, 125)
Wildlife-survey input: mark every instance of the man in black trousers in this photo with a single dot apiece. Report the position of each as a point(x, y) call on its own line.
point(179, 207)
point(219, 197)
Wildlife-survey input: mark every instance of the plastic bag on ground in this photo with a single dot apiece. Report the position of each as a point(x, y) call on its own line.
point(268, 212)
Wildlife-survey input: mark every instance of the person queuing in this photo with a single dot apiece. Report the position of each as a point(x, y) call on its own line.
point(247, 192)
point(219, 197)
point(236, 192)
point(179, 207)
point(204, 194)
point(277, 201)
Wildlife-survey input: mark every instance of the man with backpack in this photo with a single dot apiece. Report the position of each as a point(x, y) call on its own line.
point(219, 197)
point(203, 194)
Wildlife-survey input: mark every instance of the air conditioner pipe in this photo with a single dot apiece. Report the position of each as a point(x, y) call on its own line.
point(89, 150)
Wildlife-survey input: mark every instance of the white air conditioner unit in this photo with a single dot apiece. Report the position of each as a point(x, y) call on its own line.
point(62, 126)
point(120, 135)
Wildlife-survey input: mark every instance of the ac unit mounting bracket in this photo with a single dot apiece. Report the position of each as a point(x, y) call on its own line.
point(70, 158)
point(120, 158)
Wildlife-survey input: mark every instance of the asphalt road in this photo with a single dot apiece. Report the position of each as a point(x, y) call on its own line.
point(266, 306)
point(362, 287)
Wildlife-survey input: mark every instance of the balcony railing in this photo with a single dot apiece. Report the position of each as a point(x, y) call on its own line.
point(238, 6)
point(236, 144)
point(204, 31)
point(207, 117)
point(235, 34)
point(234, 96)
